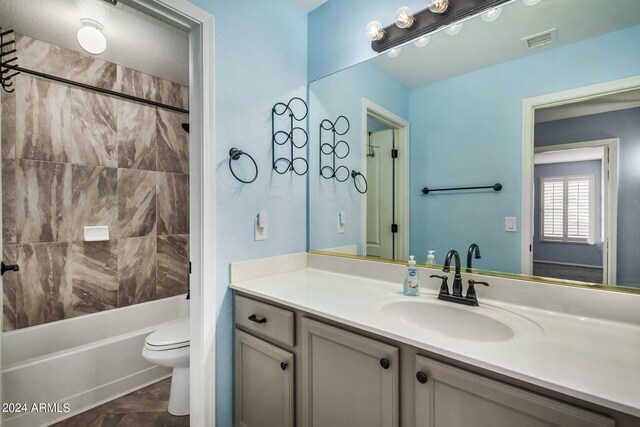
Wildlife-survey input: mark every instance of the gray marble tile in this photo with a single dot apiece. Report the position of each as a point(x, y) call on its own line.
point(136, 136)
point(9, 289)
point(95, 199)
point(136, 203)
point(93, 71)
point(173, 266)
point(137, 83)
point(93, 129)
point(173, 142)
point(43, 202)
point(173, 94)
point(44, 57)
point(173, 203)
point(94, 276)
point(136, 270)
point(8, 201)
point(42, 120)
point(8, 123)
point(44, 284)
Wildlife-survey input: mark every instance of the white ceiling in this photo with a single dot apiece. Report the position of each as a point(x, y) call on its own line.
point(603, 104)
point(481, 44)
point(308, 5)
point(134, 39)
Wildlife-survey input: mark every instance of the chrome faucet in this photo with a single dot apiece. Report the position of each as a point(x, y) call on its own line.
point(473, 248)
point(457, 278)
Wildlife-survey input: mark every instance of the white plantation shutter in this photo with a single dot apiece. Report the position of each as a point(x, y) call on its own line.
point(567, 209)
point(578, 210)
point(553, 208)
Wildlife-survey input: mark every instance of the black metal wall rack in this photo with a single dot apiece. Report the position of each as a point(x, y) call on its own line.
point(338, 128)
point(280, 138)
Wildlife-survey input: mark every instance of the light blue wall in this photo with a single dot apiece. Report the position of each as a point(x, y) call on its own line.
point(468, 130)
point(337, 32)
point(624, 125)
point(261, 58)
point(568, 252)
point(342, 94)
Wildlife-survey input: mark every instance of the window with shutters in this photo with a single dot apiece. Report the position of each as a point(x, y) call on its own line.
point(567, 209)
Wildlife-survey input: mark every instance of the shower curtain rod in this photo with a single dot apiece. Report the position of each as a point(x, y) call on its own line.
point(96, 89)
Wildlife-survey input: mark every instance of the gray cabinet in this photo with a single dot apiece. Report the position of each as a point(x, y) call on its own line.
point(347, 380)
point(452, 397)
point(264, 377)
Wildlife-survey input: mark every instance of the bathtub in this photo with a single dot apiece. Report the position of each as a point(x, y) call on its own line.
point(82, 362)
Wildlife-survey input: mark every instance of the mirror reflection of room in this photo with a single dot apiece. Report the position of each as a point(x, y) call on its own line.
point(463, 108)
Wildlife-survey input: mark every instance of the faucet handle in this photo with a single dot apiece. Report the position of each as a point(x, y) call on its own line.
point(471, 291)
point(444, 286)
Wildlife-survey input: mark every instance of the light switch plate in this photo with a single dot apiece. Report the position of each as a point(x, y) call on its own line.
point(260, 233)
point(510, 224)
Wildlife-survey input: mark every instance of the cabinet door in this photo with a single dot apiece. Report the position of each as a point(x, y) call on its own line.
point(347, 380)
point(263, 383)
point(453, 397)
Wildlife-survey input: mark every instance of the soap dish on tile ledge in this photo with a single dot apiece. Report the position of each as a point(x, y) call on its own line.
point(98, 233)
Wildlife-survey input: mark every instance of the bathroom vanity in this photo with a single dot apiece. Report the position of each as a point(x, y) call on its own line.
point(335, 343)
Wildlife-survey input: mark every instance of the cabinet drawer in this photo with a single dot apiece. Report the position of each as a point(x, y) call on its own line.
point(265, 319)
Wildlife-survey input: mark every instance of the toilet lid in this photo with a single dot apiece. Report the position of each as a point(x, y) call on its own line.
point(174, 335)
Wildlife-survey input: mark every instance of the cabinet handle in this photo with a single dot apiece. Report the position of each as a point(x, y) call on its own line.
point(421, 377)
point(385, 363)
point(283, 366)
point(254, 318)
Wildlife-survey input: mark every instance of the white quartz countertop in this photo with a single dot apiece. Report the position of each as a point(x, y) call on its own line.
point(591, 359)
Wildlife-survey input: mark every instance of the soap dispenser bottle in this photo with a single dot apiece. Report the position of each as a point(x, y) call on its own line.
point(431, 257)
point(411, 282)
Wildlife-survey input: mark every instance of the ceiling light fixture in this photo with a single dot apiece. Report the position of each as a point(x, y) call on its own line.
point(531, 2)
point(404, 17)
point(90, 37)
point(491, 14)
point(437, 14)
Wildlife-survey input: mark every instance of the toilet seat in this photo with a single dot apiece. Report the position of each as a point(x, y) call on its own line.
point(169, 337)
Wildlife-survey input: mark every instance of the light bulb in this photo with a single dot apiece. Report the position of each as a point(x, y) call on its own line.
point(90, 37)
point(454, 29)
point(404, 17)
point(439, 6)
point(394, 52)
point(531, 2)
point(375, 30)
point(422, 41)
point(491, 14)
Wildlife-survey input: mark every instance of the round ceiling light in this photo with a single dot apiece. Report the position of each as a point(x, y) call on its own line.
point(90, 37)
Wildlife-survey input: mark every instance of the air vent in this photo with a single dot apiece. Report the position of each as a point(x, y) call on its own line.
point(539, 40)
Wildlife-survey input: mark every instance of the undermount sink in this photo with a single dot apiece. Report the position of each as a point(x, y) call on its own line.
point(471, 324)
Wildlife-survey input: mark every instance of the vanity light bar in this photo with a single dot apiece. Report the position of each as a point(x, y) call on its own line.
point(426, 22)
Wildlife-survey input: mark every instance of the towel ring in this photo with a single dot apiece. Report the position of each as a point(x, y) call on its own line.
point(354, 175)
point(235, 154)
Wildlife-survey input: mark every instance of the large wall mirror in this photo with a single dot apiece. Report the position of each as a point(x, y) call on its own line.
point(544, 101)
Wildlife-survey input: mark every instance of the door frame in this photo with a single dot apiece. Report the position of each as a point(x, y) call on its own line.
point(610, 201)
point(529, 107)
point(401, 129)
point(200, 25)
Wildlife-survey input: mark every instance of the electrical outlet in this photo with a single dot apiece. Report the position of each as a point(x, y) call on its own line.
point(260, 233)
point(510, 224)
point(342, 220)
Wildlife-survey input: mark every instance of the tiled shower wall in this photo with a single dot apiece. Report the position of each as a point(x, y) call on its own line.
point(73, 158)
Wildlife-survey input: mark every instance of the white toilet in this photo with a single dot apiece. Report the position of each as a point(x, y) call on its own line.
point(169, 346)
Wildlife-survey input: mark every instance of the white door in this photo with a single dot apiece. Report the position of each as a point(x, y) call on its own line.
point(380, 195)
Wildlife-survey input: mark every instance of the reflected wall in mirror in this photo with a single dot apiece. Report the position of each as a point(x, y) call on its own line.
point(544, 100)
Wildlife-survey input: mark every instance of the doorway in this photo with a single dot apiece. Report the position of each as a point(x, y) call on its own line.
point(385, 207)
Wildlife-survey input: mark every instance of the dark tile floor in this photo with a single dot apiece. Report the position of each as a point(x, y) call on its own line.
point(568, 272)
point(142, 408)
